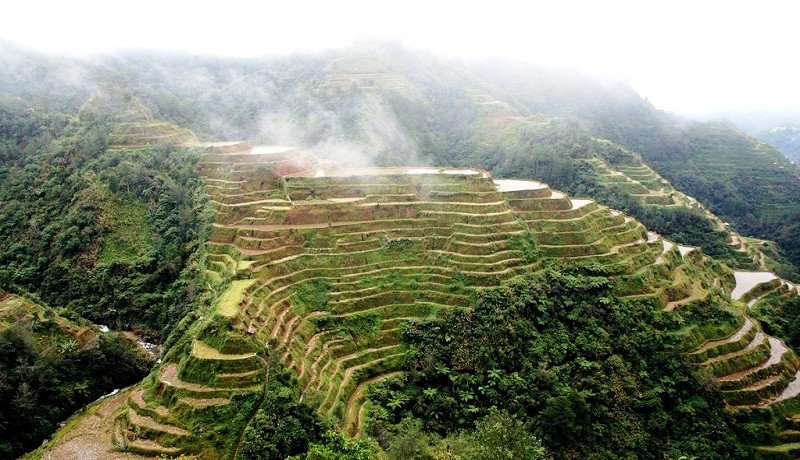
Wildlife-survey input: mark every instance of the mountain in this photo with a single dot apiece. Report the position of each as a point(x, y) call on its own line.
point(98, 210)
point(378, 103)
point(395, 263)
point(336, 281)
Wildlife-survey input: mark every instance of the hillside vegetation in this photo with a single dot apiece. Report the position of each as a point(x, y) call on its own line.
point(399, 279)
point(377, 103)
point(103, 229)
point(367, 295)
point(50, 366)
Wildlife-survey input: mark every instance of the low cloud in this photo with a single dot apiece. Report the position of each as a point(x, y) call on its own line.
point(361, 131)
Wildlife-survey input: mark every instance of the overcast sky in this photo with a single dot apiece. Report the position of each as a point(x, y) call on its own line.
point(689, 57)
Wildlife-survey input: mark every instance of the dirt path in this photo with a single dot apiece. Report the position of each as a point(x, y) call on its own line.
point(88, 436)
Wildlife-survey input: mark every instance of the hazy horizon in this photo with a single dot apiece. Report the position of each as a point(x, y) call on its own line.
point(692, 59)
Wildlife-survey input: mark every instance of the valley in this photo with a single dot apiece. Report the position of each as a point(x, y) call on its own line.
point(403, 256)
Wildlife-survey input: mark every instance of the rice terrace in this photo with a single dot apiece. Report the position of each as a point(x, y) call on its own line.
point(405, 257)
point(320, 267)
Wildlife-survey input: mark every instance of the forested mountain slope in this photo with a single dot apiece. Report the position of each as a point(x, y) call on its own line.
point(377, 103)
point(378, 277)
point(98, 209)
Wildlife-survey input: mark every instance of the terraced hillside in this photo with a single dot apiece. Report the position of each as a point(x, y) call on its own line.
point(324, 267)
point(743, 181)
point(608, 172)
point(759, 376)
point(134, 126)
point(146, 133)
point(338, 265)
point(363, 72)
point(15, 309)
point(634, 178)
point(318, 268)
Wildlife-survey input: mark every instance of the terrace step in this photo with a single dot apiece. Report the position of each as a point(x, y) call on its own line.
point(354, 417)
point(697, 293)
point(202, 351)
point(128, 441)
point(741, 332)
point(140, 405)
point(169, 377)
point(202, 403)
point(791, 391)
point(153, 425)
point(777, 350)
point(347, 375)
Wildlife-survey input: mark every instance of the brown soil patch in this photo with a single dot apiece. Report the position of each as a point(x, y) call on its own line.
point(89, 438)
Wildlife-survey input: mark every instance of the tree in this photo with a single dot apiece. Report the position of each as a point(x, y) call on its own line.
point(564, 418)
point(498, 437)
point(334, 446)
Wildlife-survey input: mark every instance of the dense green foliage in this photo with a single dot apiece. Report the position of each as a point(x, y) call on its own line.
point(334, 446)
point(41, 382)
point(781, 317)
point(282, 426)
point(594, 376)
point(105, 232)
point(496, 437)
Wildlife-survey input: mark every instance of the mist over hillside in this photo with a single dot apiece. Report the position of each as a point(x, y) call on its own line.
point(780, 129)
point(371, 272)
point(378, 103)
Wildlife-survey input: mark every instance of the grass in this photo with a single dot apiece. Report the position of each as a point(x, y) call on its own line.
point(228, 304)
point(245, 265)
point(130, 235)
point(781, 448)
point(203, 351)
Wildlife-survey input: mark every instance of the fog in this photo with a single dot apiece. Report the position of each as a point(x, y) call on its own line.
point(692, 58)
point(377, 134)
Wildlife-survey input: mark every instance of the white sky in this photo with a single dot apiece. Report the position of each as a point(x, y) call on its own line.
point(689, 57)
